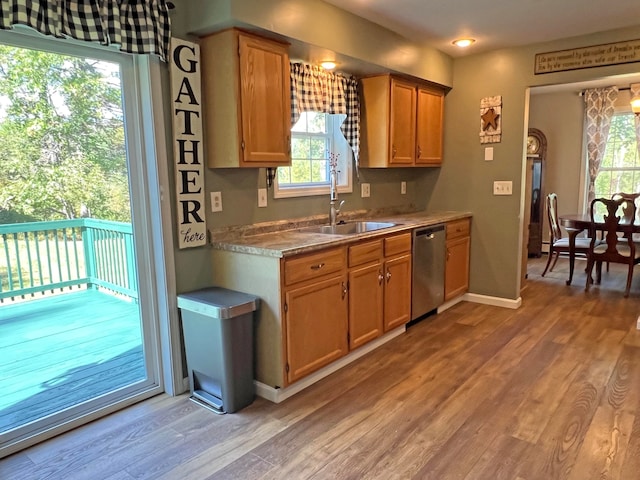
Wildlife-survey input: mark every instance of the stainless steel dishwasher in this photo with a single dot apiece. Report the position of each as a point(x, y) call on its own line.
point(427, 292)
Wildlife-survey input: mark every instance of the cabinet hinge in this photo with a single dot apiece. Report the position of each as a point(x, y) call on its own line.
point(286, 307)
point(286, 368)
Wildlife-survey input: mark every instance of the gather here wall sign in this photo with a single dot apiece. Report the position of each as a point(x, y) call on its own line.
point(187, 143)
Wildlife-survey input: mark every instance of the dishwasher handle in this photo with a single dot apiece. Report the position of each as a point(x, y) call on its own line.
point(428, 232)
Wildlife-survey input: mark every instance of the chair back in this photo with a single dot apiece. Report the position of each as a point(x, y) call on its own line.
point(628, 216)
point(613, 216)
point(552, 214)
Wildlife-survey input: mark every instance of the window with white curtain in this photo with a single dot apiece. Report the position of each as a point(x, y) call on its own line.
point(620, 168)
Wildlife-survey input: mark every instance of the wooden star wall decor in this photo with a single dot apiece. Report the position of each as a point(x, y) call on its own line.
point(491, 119)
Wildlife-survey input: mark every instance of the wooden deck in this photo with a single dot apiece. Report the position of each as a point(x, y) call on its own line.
point(61, 350)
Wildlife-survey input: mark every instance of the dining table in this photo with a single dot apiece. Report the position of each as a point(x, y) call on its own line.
point(574, 223)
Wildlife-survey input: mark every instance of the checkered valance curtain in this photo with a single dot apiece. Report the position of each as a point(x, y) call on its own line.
point(313, 89)
point(137, 26)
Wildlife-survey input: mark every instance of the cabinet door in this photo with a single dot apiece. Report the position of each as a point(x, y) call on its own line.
point(265, 102)
point(316, 326)
point(397, 291)
point(429, 126)
point(365, 304)
point(403, 123)
point(457, 267)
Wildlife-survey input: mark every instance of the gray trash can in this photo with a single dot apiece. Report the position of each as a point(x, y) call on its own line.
point(217, 324)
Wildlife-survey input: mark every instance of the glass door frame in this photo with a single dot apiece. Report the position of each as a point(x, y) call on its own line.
point(148, 178)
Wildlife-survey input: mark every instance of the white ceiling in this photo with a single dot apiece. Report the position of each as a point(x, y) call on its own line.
point(494, 23)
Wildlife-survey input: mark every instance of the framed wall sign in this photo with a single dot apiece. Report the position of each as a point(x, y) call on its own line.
point(187, 143)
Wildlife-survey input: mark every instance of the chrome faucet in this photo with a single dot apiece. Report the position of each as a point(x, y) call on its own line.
point(333, 210)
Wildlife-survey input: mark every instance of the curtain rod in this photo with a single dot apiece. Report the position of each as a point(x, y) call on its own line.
point(581, 92)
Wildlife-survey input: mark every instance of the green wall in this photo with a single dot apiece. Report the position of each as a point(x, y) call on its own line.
point(465, 180)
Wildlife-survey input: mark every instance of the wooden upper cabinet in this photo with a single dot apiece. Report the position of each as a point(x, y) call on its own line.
point(401, 123)
point(430, 111)
point(247, 109)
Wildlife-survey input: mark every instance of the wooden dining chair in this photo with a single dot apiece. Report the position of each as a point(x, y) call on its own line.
point(613, 249)
point(627, 213)
point(557, 243)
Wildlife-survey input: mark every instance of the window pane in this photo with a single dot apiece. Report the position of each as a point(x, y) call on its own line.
point(620, 168)
point(300, 171)
point(301, 124)
point(311, 122)
point(318, 148)
point(319, 171)
point(300, 147)
point(603, 184)
point(317, 122)
point(284, 174)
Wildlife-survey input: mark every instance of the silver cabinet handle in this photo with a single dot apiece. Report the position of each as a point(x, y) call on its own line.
point(318, 266)
point(344, 290)
point(388, 276)
point(380, 277)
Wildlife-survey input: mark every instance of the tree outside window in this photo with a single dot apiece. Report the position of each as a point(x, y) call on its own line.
point(62, 138)
point(313, 138)
point(620, 168)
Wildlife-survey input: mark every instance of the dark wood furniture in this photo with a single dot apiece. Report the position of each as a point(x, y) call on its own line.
point(574, 223)
point(536, 156)
point(619, 218)
point(557, 243)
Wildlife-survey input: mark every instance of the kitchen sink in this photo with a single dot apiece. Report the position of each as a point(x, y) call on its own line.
point(348, 228)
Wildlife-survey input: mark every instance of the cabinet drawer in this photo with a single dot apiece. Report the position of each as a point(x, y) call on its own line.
point(397, 244)
point(315, 265)
point(459, 228)
point(365, 252)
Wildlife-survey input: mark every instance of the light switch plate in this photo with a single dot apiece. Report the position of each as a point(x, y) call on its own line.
point(504, 187)
point(365, 190)
point(216, 201)
point(488, 153)
point(262, 197)
point(403, 188)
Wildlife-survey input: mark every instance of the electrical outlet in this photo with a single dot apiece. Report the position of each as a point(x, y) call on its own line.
point(365, 190)
point(216, 201)
point(262, 197)
point(503, 187)
point(403, 188)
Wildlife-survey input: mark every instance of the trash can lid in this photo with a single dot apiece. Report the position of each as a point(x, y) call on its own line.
point(218, 302)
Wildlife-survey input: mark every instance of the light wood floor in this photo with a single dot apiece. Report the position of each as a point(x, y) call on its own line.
point(551, 390)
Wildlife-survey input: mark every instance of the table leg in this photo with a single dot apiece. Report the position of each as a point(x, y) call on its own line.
point(573, 233)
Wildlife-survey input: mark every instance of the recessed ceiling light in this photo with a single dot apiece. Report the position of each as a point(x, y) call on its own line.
point(328, 65)
point(463, 42)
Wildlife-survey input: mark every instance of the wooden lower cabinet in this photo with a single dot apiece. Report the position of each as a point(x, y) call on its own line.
point(318, 306)
point(456, 281)
point(316, 318)
point(365, 304)
point(397, 291)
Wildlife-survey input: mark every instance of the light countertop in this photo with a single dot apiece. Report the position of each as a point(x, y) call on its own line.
point(283, 238)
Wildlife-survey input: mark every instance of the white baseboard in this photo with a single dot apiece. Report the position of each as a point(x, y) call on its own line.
point(483, 299)
point(450, 303)
point(277, 395)
point(495, 301)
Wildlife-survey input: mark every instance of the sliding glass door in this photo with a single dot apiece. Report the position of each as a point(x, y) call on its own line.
point(78, 333)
